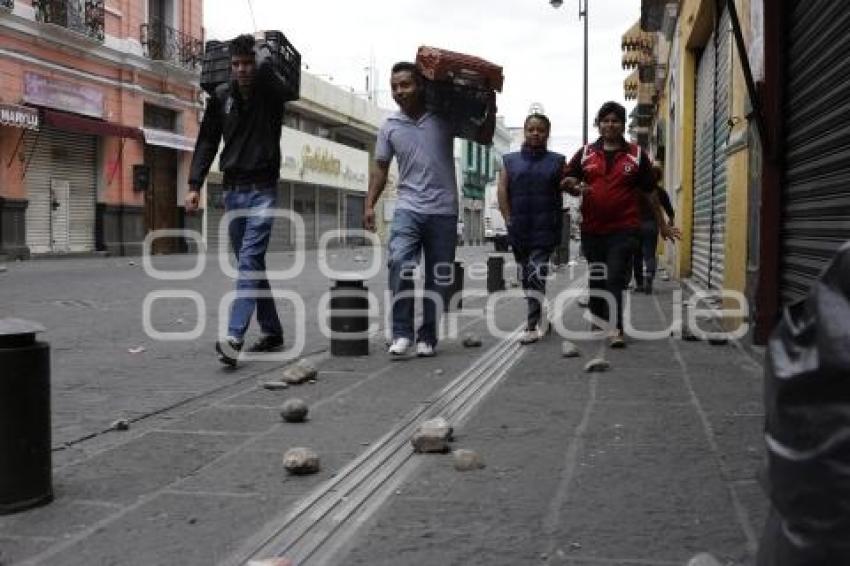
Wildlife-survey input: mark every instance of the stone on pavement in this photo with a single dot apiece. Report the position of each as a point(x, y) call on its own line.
point(467, 460)
point(275, 385)
point(703, 559)
point(121, 424)
point(597, 364)
point(471, 341)
point(569, 350)
point(298, 373)
point(432, 436)
point(294, 411)
point(301, 461)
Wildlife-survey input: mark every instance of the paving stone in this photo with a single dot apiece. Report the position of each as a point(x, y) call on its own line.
point(471, 341)
point(298, 373)
point(294, 410)
point(467, 460)
point(569, 350)
point(432, 436)
point(597, 365)
point(301, 461)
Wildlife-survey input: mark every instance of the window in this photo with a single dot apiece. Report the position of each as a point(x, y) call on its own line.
point(470, 159)
point(159, 118)
point(478, 161)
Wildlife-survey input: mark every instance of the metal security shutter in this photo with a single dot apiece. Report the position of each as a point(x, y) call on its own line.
point(214, 212)
point(703, 167)
point(281, 238)
point(722, 66)
point(329, 213)
point(816, 183)
point(712, 131)
point(71, 157)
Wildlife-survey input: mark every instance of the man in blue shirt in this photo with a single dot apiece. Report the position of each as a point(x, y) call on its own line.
point(425, 218)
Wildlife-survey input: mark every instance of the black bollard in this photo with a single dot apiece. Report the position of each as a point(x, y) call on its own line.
point(495, 273)
point(26, 478)
point(455, 288)
point(349, 318)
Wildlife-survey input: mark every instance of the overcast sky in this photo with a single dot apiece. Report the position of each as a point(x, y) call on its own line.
point(539, 47)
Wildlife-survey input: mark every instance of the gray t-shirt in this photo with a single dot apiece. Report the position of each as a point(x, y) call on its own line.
point(425, 153)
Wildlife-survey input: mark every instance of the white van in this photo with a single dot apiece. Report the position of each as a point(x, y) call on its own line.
point(495, 229)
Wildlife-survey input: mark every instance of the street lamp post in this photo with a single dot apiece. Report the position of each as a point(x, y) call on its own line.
point(582, 14)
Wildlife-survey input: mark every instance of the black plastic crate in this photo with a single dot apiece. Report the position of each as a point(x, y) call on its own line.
point(469, 108)
point(286, 60)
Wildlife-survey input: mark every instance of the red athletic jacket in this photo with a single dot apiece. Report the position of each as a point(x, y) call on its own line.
point(612, 204)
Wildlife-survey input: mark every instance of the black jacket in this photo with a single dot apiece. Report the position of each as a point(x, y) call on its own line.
point(536, 199)
point(251, 130)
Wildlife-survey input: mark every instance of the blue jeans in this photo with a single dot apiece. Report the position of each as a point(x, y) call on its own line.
point(533, 270)
point(249, 237)
point(435, 237)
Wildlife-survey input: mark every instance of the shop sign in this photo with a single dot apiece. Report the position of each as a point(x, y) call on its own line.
point(312, 159)
point(19, 117)
point(63, 95)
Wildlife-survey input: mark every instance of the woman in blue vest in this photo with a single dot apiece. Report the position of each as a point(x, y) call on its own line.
point(530, 201)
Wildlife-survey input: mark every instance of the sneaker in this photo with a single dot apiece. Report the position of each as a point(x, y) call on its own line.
point(615, 340)
point(267, 343)
point(529, 336)
point(399, 347)
point(226, 349)
point(583, 301)
point(425, 350)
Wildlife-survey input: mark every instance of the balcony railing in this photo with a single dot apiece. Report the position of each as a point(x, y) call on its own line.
point(81, 16)
point(164, 43)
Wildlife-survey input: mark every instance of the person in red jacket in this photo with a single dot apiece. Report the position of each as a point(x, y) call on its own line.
point(609, 175)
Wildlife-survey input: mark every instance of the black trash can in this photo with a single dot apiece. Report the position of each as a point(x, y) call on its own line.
point(349, 318)
point(26, 477)
point(495, 273)
point(455, 289)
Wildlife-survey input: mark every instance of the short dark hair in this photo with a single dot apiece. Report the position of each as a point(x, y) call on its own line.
point(612, 107)
point(242, 45)
point(403, 66)
point(538, 116)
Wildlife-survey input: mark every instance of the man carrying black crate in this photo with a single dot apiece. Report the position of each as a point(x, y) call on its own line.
point(248, 112)
point(425, 218)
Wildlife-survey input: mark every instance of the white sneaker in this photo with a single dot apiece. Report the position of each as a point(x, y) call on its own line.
point(399, 347)
point(529, 336)
point(425, 350)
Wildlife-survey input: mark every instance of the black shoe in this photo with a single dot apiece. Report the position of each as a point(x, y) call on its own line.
point(225, 349)
point(648, 287)
point(268, 343)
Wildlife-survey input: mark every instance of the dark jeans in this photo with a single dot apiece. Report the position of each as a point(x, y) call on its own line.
point(532, 271)
point(609, 261)
point(646, 252)
point(412, 235)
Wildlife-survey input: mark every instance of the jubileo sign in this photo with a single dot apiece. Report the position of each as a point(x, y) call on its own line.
point(320, 161)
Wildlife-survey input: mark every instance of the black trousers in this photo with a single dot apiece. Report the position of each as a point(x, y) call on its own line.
point(533, 270)
point(646, 252)
point(609, 260)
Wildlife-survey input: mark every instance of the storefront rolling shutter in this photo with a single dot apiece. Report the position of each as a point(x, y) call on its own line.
point(703, 167)
point(816, 183)
point(722, 75)
point(214, 211)
point(71, 157)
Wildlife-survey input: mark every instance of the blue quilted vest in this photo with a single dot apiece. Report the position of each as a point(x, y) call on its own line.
point(534, 177)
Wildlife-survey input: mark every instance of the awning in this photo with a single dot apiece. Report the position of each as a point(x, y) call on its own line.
point(16, 116)
point(165, 138)
point(84, 125)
